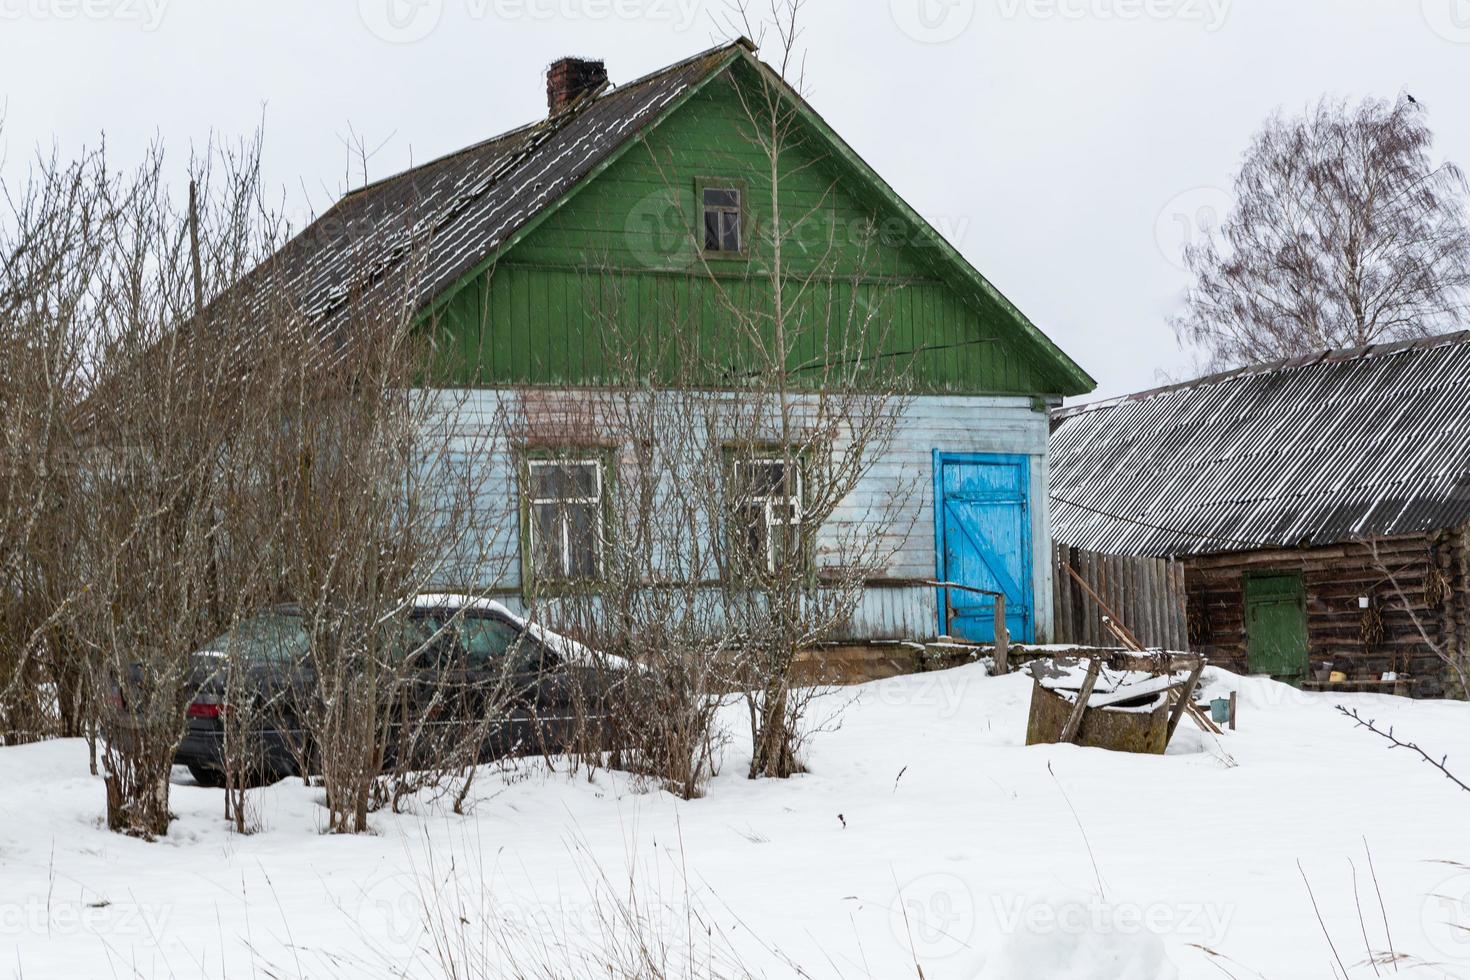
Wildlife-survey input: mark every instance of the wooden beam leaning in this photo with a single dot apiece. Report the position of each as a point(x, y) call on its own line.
point(1186, 697)
point(1110, 618)
point(1074, 722)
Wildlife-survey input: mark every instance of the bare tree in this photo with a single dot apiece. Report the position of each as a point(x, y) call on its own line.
point(50, 242)
point(822, 389)
point(744, 411)
point(378, 483)
point(743, 408)
point(663, 649)
point(186, 447)
point(164, 461)
point(1345, 232)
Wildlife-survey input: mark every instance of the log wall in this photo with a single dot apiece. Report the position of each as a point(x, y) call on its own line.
point(1419, 585)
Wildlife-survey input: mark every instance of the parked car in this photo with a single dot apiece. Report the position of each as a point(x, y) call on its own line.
point(465, 673)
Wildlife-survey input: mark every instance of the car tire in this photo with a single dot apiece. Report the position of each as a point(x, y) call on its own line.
point(208, 778)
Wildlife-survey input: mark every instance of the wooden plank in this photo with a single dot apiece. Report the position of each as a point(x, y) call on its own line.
point(1158, 598)
point(1078, 628)
point(1178, 605)
point(1138, 609)
point(1181, 606)
point(1065, 625)
point(1067, 631)
point(1095, 614)
point(1089, 614)
point(1056, 597)
point(1111, 626)
point(1109, 590)
point(1154, 685)
point(1166, 604)
point(1171, 636)
point(1186, 697)
point(1074, 723)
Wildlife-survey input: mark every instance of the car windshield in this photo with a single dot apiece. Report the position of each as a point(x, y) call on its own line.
point(270, 638)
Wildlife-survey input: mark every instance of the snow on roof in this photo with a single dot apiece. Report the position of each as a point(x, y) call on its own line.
point(450, 214)
point(1340, 446)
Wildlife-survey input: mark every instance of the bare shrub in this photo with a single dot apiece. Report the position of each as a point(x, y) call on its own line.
point(663, 650)
point(50, 242)
point(165, 460)
point(206, 449)
point(741, 413)
point(379, 484)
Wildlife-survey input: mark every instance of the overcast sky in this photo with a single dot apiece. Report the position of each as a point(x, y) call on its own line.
point(1068, 147)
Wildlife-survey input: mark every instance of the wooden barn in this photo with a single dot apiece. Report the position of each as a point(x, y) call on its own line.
point(1312, 516)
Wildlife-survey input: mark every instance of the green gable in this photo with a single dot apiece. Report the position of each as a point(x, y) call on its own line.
point(619, 247)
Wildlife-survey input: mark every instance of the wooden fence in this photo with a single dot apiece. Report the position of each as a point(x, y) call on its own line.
point(1146, 595)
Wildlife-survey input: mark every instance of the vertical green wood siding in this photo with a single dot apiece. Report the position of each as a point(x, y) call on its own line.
point(619, 249)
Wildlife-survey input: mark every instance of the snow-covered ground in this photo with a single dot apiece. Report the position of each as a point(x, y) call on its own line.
point(925, 832)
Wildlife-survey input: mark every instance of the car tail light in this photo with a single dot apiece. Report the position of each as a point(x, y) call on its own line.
point(206, 709)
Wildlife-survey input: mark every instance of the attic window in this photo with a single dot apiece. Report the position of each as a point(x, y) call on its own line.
point(723, 208)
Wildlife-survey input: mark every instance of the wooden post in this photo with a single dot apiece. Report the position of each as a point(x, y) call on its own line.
point(1090, 622)
point(1186, 698)
point(1074, 723)
point(194, 248)
point(1002, 638)
point(1233, 699)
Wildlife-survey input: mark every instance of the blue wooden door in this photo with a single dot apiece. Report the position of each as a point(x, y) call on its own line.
point(983, 533)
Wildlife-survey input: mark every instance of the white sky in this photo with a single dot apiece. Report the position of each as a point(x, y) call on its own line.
point(1066, 146)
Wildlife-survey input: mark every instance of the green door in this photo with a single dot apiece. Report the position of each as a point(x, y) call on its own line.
point(1276, 626)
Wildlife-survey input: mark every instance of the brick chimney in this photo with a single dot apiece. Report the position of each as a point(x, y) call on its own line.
point(570, 78)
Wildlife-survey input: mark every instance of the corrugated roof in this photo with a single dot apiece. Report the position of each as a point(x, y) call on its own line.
point(1340, 446)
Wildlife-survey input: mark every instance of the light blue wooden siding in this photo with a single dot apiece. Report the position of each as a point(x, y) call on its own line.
point(950, 423)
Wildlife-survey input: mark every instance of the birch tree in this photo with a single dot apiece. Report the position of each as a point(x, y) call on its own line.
point(1346, 231)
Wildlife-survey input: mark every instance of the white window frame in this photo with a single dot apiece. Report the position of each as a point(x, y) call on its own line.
point(564, 552)
point(775, 507)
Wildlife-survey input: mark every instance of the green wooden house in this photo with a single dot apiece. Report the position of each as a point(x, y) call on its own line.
point(507, 235)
